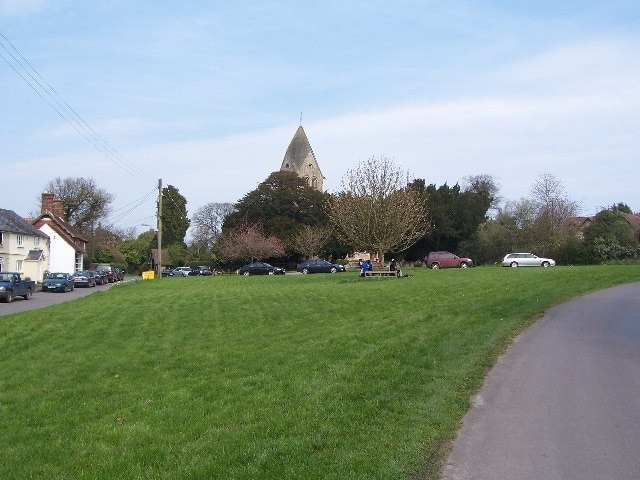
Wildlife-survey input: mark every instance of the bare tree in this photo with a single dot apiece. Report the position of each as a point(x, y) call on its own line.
point(377, 210)
point(309, 241)
point(84, 203)
point(553, 209)
point(247, 242)
point(207, 222)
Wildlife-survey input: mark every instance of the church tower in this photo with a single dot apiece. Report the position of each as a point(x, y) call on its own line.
point(301, 160)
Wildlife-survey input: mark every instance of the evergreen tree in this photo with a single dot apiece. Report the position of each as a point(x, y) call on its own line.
point(175, 221)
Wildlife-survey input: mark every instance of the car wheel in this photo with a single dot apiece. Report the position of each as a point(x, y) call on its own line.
point(464, 265)
point(435, 266)
point(305, 270)
point(270, 272)
point(514, 264)
point(9, 298)
point(246, 274)
point(545, 264)
point(27, 295)
point(333, 270)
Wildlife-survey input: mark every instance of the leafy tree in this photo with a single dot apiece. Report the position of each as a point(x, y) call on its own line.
point(84, 204)
point(248, 241)
point(175, 221)
point(609, 236)
point(283, 204)
point(454, 213)
point(136, 250)
point(377, 210)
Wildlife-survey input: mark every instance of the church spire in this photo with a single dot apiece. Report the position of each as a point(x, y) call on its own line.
point(300, 159)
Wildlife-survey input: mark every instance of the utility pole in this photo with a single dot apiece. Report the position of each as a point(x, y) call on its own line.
point(160, 228)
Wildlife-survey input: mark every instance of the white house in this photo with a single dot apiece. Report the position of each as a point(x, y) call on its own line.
point(23, 248)
point(67, 246)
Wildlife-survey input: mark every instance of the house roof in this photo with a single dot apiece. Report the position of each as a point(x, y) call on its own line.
point(35, 255)
point(633, 220)
point(10, 221)
point(165, 256)
point(70, 234)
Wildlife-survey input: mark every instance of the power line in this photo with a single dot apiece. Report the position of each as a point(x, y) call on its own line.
point(23, 68)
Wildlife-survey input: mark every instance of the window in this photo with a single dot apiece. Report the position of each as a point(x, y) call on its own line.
point(1, 237)
point(1, 260)
point(36, 241)
point(19, 265)
point(20, 239)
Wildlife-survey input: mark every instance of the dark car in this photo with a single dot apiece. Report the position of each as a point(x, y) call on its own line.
point(167, 272)
point(319, 266)
point(200, 270)
point(84, 278)
point(100, 277)
point(58, 282)
point(436, 260)
point(108, 270)
point(260, 268)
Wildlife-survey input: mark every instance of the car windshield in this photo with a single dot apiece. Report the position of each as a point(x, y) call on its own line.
point(56, 275)
point(5, 277)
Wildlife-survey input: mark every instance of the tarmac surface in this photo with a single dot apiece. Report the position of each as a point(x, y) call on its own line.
point(564, 401)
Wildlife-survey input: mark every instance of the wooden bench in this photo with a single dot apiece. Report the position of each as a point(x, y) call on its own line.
point(380, 273)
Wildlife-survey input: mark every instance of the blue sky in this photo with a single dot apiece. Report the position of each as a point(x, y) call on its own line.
point(207, 95)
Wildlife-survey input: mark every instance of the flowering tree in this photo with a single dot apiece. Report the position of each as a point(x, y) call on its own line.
point(247, 242)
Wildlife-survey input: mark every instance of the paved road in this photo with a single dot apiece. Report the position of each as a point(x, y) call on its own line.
point(564, 401)
point(45, 299)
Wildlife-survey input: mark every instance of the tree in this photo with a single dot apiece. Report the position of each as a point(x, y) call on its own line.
point(175, 221)
point(84, 204)
point(454, 213)
point(247, 242)
point(553, 211)
point(610, 236)
point(310, 241)
point(377, 210)
point(283, 204)
point(136, 250)
point(207, 223)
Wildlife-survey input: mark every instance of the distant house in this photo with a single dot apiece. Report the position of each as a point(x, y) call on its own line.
point(153, 259)
point(23, 248)
point(67, 246)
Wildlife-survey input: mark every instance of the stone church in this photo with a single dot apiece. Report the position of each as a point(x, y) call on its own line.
point(301, 160)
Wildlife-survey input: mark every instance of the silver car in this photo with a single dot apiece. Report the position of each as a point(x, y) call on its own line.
point(526, 260)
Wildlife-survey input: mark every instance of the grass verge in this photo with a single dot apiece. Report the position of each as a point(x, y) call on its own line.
point(315, 376)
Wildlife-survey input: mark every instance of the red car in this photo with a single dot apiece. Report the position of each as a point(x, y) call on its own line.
point(436, 260)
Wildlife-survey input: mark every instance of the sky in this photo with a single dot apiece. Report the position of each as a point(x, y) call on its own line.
point(207, 95)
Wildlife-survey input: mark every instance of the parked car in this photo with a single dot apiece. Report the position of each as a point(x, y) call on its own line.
point(167, 272)
point(12, 285)
point(181, 271)
point(84, 278)
point(319, 266)
point(436, 260)
point(108, 270)
point(200, 270)
point(58, 282)
point(526, 260)
point(119, 274)
point(100, 277)
point(260, 268)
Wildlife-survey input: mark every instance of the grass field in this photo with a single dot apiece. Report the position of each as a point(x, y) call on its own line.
point(294, 377)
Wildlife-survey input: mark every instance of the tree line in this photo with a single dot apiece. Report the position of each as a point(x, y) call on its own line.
point(378, 209)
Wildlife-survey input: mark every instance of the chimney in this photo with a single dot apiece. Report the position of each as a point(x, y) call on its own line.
point(50, 204)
